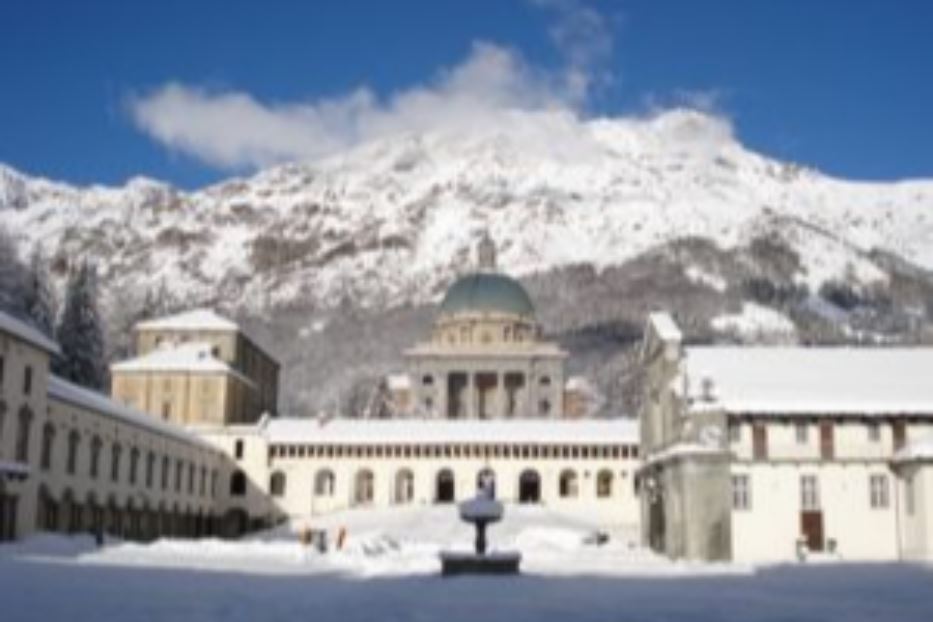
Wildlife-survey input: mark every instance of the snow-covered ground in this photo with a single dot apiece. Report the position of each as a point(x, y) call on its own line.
point(388, 570)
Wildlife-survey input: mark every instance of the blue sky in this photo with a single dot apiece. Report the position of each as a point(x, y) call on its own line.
point(192, 92)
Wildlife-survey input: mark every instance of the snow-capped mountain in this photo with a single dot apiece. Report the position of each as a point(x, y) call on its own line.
point(390, 223)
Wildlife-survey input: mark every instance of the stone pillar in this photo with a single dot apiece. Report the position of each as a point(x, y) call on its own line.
point(470, 390)
point(443, 386)
point(500, 395)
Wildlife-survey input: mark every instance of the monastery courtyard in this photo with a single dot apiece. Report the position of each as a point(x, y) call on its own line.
point(389, 565)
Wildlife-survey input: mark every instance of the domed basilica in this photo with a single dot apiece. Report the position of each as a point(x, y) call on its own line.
point(485, 358)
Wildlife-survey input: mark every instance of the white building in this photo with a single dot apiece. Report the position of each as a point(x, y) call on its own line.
point(770, 453)
point(301, 467)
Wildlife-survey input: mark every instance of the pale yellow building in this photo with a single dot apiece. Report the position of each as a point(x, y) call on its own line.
point(197, 368)
point(73, 460)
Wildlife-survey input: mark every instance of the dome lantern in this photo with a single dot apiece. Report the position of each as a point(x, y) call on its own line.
point(486, 254)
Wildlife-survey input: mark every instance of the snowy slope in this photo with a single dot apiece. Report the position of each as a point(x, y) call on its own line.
point(394, 220)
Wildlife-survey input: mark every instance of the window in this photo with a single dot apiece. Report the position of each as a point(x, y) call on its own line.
point(878, 491)
point(910, 495)
point(165, 466)
point(759, 441)
point(238, 484)
point(115, 462)
point(72, 461)
point(874, 432)
point(604, 484)
point(277, 484)
point(1, 371)
point(179, 471)
point(809, 493)
point(544, 407)
point(150, 468)
point(801, 430)
point(48, 438)
point(166, 410)
point(568, 484)
point(96, 446)
point(134, 465)
point(190, 478)
point(22, 434)
point(741, 493)
point(238, 449)
point(735, 432)
point(363, 487)
point(545, 381)
point(404, 486)
point(324, 483)
point(202, 481)
point(427, 380)
point(27, 380)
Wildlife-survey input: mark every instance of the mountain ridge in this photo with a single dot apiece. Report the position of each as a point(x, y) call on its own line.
point(389, 224)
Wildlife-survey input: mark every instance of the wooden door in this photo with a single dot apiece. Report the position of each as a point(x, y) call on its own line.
point(811, 528)
point(759, 441)
point(900, 435)
point(827, 445)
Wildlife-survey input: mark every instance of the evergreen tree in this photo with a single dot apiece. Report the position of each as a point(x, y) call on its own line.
point(38, 299)
point(12, 276)
point(80, 332)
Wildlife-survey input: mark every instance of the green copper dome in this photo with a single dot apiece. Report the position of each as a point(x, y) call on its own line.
point(489, 293)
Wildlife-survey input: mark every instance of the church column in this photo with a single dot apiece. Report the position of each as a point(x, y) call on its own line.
point(471, 401)
point(441, 387)
point(500, 394)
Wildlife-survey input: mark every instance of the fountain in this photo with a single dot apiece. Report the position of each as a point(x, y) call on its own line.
point(480, 511)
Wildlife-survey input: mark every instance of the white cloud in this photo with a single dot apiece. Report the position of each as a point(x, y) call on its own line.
point(233, 130)
point(584, 37)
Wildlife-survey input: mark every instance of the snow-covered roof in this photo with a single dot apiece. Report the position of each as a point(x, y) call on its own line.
point(185, 357)
point(398, 382)
point(665, 326)
point(13, 468)
point(409, 431)
point(788, 380)
point(542, 349)
point(195, 319)
point(682, 450)
point(64, 391)
point(578, 383)
point(27, 333)
point(917, 451)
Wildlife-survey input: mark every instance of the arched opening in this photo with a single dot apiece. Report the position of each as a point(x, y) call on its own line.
point(529, 487)
point(165, 521)
point(404, 486)
point(604, 484)
point(486, 483)
point(48, 440)
point(235, 523)
point(94, 514)
point(113, 517)
point(238, 483)
point(70, 513)
point(277, 484)
point(324, 481)
point(444, 489)
point(568, 485)
point(363, 487)
point(46, 510)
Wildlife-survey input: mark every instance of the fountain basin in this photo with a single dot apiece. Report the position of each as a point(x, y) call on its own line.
point(456, 563)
